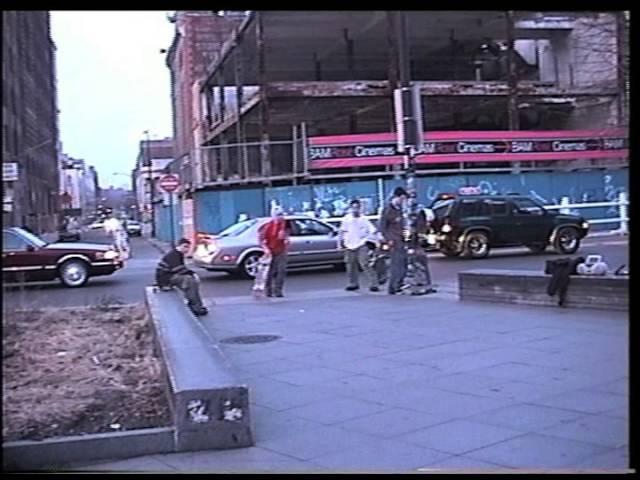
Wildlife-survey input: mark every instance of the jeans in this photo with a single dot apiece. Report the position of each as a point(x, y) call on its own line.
point(398, 267)
point(189, 286)
point(355, 258)
point(277, 272)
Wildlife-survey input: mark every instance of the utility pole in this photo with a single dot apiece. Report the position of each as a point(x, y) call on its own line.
point(408, 113)
point(512, 80)
point(149, 164)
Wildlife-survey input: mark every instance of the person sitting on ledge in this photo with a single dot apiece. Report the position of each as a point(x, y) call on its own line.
point(172, 272)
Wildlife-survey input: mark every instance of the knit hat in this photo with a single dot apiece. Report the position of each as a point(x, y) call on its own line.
point(276, 211)
point(400, 191)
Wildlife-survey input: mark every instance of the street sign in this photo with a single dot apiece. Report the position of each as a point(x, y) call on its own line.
point(169, 182)
point(9, 171)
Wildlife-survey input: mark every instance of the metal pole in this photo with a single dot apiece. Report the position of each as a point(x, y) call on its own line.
point(151, 184)
point(512, 80)
point(173, 238)
point(624, 211)
point(410, 209)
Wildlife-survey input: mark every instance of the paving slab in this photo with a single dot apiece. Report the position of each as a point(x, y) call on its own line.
point(411, 384)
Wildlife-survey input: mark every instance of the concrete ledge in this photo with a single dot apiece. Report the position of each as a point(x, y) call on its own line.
point(529, 287)
point(56, 453)
point(210, 407)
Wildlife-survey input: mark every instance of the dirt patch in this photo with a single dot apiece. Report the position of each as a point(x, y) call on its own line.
point(79, 371)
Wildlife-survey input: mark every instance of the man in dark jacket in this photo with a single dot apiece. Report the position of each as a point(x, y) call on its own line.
point(392, 229)
point(172, 272)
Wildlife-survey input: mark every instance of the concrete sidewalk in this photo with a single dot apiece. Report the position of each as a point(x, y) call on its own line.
point(376, 383)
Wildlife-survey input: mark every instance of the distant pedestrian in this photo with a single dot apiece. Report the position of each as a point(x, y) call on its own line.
point(274, 239)
point(355, 232)
point(172, 272)
point(392, 228)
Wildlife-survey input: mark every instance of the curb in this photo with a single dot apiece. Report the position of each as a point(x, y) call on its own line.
point(158, 244)
point(56, 453)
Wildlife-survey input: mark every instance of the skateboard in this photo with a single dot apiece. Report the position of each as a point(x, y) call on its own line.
point(260, 281)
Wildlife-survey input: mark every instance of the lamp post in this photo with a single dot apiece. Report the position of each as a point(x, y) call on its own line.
point(148, 162)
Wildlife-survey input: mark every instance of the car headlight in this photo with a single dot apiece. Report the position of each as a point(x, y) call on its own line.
point(446, 228)
point(585, 225)
point(108, 255)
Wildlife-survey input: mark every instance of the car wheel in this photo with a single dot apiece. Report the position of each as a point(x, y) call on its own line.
point(476, 245)
point(537, 247)
point(566, 241)
point(74, 273)
point(249, 266)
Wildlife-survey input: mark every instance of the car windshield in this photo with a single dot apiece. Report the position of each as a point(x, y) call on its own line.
point(441, 208)
point(37, 241)
point(237, 228)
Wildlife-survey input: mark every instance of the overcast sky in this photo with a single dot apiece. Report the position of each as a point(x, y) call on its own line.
point(113, 84)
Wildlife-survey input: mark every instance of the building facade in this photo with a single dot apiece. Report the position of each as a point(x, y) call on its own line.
point(29, 120)
point(298, 108)
point(78, 187)
point(198, 39)
point(154, 156)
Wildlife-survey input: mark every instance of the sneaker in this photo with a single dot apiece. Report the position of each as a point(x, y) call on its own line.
point(374, 289)
point(352, 288)
point(199, 312)
point(279, 295)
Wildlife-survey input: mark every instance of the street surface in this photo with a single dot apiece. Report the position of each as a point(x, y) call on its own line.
point(127, 285)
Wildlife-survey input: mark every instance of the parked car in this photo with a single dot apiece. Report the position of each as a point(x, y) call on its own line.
point(472, 225)
point(26, 257)
point(237, 249)
point(134, 228)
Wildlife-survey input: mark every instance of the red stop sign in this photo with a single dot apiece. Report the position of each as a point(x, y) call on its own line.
point(169, 182)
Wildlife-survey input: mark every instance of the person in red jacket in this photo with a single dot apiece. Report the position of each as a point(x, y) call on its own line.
point(274, 239)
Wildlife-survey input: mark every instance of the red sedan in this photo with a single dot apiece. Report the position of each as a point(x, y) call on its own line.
point(28, 258)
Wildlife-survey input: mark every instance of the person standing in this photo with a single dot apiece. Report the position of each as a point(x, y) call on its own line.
point(392, 228)
point(172, 272)
point(420, 282)
point(274, 239)
point(354, 234)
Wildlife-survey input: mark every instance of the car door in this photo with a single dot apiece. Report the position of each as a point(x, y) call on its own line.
point(315, 242)
point(530, 224)
point(499, 220)
point(20, 260)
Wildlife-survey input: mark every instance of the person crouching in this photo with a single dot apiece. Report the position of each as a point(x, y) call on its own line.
point(172, 272)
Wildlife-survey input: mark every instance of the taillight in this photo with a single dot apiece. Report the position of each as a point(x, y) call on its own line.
point(205, 245)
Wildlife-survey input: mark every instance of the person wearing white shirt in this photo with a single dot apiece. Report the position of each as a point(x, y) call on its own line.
point(354, 234)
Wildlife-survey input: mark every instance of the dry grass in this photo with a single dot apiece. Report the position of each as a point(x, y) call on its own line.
point(82, 370)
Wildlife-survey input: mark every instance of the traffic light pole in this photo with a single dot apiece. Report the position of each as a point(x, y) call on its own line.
point(410, 139)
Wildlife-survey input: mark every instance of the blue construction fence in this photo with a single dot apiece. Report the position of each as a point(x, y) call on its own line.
point(216, 210)
point(163, 221)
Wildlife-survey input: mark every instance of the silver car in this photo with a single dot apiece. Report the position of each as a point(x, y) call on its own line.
point(237, 249)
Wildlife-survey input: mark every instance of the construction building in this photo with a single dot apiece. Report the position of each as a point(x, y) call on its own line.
point(297, 108)
point(29, 122)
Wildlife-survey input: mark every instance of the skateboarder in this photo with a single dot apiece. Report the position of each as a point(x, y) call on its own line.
point(274, 239)
point(354, 234)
